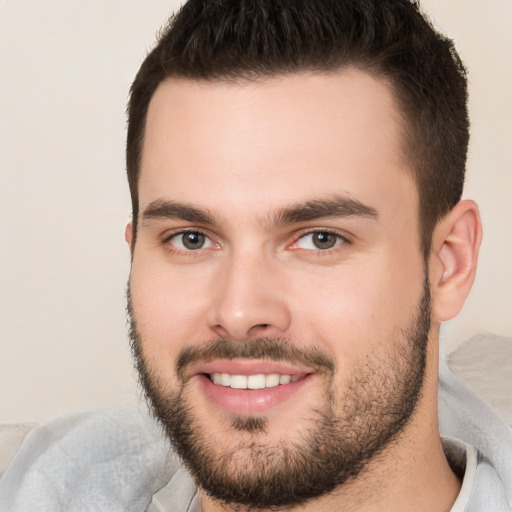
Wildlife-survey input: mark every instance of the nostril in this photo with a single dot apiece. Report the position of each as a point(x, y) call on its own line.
point(259, 329)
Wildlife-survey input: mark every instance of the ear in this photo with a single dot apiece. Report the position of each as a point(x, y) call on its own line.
point(453, 259)
point(128, 234)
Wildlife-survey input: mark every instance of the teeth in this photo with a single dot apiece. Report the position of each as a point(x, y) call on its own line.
point(271, 380)
point(258, 381)
point(239, 381)
point(284, 379)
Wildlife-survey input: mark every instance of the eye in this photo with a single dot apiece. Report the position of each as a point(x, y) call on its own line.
point(319, 240)
point(191, 241)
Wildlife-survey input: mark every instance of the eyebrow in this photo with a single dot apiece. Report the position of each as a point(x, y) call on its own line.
point(333, 207)
point(164, 209)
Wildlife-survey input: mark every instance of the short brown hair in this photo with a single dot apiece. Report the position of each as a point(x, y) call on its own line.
point(390, 39)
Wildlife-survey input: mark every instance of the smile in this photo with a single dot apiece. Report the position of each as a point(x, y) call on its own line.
point(258, 381)
point(248, 387)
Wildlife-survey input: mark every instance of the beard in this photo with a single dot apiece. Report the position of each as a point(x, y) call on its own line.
point(348, 429)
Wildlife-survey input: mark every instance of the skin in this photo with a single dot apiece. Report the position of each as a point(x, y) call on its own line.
point(243, 153)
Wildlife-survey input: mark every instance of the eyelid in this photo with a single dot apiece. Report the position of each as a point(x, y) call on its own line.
point(344, 239)
point(166, 238)
point(169, 235)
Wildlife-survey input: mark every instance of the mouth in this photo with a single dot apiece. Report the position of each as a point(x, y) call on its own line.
point(256, 381)
point(248, 387)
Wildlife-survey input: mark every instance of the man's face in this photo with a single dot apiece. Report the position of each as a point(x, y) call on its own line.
point(278, 294)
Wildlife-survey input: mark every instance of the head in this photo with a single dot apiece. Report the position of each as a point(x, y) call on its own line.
point(390, 39)
point(293, 168)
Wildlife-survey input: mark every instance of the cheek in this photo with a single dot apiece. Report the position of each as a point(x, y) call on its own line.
point(167, 307)
point(352, 311)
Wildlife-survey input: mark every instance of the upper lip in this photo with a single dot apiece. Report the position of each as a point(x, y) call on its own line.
point(249, 367)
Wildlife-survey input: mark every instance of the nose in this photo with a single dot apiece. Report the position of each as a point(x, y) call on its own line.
point(248, 301)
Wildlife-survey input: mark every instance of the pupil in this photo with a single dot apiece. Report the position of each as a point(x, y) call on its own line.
point(324, 240)
point(193, 240)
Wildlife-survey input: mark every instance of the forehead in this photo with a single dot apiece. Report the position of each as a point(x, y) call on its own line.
point(272, 141)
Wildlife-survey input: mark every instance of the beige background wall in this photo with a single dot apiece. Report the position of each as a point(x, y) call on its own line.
point(65, 69)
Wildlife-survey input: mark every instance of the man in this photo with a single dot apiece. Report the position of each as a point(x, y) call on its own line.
point(298, 236)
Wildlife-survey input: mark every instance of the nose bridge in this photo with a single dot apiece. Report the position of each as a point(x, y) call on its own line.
point(248, 302)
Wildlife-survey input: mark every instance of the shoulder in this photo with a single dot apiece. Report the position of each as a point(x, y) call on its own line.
point(466, 416)
point(116, 459)
point(11, 438)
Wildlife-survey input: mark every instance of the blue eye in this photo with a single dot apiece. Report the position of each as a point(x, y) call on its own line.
point(319, 240)
point(191, 241)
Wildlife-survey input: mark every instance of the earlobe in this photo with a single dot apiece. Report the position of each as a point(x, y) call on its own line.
point(453, 260)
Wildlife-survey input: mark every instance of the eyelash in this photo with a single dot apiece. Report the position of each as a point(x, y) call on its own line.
point(172, 248)
point(340, 240)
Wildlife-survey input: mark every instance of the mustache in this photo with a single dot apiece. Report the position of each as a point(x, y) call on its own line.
point(275, 349)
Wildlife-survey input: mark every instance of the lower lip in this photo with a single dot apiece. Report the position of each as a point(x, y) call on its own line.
point(247, 402)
